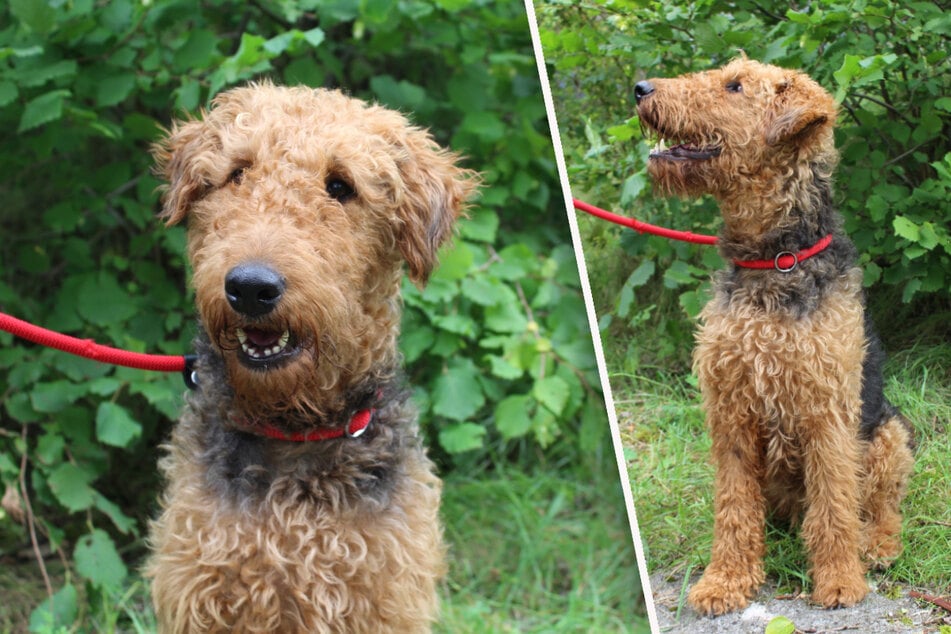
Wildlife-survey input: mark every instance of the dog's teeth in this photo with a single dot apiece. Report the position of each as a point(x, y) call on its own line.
point(242, 336)
point(284, 339)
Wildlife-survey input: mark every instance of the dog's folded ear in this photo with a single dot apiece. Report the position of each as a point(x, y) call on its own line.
point(434, 194)
point(800, 112)
point(183, 158)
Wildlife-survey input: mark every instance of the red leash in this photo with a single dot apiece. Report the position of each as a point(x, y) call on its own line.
point(783, 262)
point(91, 350)
point(643, 227)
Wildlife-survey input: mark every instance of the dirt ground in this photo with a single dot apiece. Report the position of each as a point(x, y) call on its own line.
point(878, 613)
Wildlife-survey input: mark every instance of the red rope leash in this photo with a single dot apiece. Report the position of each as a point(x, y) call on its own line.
point(643, 227)
point(90, 349)
point(783, 262)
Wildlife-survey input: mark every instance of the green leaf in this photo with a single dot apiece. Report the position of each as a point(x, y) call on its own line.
point(502, 368)
point(459, 324)
point(632, 188)
point(928, 237)
point(37, 15)
point(485, 125)
point(8, 92)
point(397, 94)
point(457, 393)
point(315, 36)
point(679, 273)
point(123, 522)
point(304, 71)
point(505, 317)
point(96, 559)
point(455, 263)
point(621, 133)
point(56, 613)
point(114, 425)
point(70, 485)
point(692, 302)
point(511, 416)
point(52, 397)
point(486, 291)
point(415, 342)
point(780, 625)
point(480, 226)
point(103, 302)
point(552, 392)
point(114, 89)
point(461, 437)
point(642, 274)
point(453, 6)
point(197, 52)
point(871, 274)
point(43, 109)
point(515, 262)
point(594, 423)
point(906, 229)
point(49, 448)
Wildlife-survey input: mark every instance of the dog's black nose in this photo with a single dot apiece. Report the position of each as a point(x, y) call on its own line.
point(254, 289)
point(642, 89)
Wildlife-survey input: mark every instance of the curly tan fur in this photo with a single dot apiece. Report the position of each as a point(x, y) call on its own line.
point(789, 367)
point(257, 534)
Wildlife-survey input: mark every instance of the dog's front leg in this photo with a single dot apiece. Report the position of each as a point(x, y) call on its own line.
point(736, 563)
point(831, 528)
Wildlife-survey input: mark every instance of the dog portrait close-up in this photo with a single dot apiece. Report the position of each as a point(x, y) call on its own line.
point(293, 333)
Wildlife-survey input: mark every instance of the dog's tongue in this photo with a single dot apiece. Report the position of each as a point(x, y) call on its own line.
point(262, 338)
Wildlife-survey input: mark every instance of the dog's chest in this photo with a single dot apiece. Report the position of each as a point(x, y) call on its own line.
point(783, 367)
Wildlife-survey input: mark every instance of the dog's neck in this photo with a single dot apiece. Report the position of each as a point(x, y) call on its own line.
point(250, 415)
point(763, 221)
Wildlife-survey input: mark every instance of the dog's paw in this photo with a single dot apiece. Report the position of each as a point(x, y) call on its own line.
point(840, 591)
point(718, 593)
point(882, 550)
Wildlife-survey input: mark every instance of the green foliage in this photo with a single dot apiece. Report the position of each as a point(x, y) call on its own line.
point(497, 344)
point(887, 64)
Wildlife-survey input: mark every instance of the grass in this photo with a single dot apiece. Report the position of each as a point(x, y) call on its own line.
point(548, 552)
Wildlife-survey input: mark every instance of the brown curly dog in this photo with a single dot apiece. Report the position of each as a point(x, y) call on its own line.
point(299, 495)
point(789, 366)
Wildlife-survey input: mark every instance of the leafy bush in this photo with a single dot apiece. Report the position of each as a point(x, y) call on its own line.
point(497, 343)
point(885, 62)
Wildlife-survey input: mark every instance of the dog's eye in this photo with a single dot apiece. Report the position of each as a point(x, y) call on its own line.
point(340, 190)
point(237, 175)
point(734, 86)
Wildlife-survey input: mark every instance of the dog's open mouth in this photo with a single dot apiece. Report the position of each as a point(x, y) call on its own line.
point(686, 151)
point(262, 348)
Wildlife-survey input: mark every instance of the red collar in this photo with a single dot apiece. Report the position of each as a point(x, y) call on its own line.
point(786, 261)
point(358, 425)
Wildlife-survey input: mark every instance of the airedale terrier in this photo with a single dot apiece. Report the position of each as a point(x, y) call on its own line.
point(790, 369)
point(299, 496)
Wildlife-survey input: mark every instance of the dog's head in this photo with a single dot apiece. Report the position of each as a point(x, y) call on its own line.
point(742, 122)
point(301, 206)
